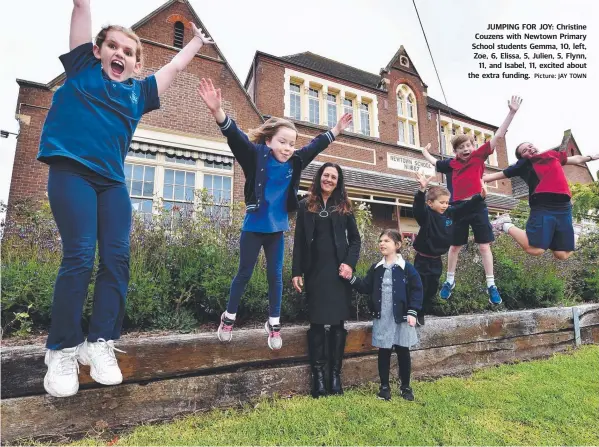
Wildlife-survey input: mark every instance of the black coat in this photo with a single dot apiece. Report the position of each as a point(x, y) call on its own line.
point(321, 245)
point(346, 234)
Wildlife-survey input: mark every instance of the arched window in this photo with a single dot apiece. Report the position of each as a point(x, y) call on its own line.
point(407, 116)
point(179, 33)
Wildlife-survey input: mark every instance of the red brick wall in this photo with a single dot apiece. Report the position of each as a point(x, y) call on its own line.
point(29, 177)
point(182, 110)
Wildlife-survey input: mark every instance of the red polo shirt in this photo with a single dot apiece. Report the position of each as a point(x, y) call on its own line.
point(465, 176)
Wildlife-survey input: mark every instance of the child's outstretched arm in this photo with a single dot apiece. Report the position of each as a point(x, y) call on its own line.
point(81, 24)
point(322, 141)
point(513, 105)
point(487, 178)
point(166, 75)
point(426, 154)
point(238, 141)
point(419, 204)
point(578, 159)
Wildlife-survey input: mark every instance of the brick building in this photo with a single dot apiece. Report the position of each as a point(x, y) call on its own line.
point(179, 148)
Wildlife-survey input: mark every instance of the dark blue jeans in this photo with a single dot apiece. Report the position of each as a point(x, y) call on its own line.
point(250, 244)
point(89, 209)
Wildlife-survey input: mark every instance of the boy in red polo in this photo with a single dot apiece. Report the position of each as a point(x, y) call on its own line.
point(550, 223)
point(463, 174)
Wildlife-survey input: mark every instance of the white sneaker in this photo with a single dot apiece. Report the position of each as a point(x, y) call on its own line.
point(103, 366)
point(62, 378)
point(497, 224)
point(275, 341)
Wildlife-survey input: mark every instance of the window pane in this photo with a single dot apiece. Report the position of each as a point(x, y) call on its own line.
point(294, 87)
point(314, 106)
point(128, 170)
point(208, 181)
point(412, 130)
point(400, 100)
point(218, 182)
point(148, 189)
point(331, 114)
point(227, 183)
point(179, 177)
point(136, 188)
point(168, 192)
point(138, 172)
point(189, 194)
point(179, 193)
point(169, 176)
point(149, 177)
point(190, 179)
point(402, 136)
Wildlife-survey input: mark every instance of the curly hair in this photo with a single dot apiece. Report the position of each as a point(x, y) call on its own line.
point(338, 196)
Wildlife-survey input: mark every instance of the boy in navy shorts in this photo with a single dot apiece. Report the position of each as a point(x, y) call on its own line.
point(463, 174)
point(550, 223)
point(435, 218)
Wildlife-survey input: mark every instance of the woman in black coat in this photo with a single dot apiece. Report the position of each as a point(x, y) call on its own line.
point(327, 244)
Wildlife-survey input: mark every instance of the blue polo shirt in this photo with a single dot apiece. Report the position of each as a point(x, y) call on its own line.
point(92, 118)
point(272, 216)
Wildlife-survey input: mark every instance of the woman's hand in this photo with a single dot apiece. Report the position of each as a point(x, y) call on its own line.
point(411, 320)
point(345, 271)
point(298, 283)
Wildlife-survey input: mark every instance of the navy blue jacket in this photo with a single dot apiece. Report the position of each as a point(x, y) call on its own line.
point(252, 157)
point(407, 289)
point(434, 236)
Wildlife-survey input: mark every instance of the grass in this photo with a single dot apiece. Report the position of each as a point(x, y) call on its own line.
point(546, 402)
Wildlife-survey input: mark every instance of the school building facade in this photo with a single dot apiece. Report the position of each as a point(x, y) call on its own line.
point(179, 148)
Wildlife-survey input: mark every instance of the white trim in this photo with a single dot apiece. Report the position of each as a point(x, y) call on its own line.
point(327, 84)
point(399, 260)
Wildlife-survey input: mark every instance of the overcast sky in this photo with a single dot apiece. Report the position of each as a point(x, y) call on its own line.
point(364, 34)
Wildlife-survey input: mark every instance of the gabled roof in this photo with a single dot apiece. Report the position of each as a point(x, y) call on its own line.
point(397, 66)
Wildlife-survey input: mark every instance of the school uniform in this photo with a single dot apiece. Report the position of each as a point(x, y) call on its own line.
point(550, 224)
point(434, 239)
point(463, 180)
point(85, 139)
point(270, 193)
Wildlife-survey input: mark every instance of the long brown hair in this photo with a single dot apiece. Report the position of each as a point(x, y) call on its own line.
point(267, 130)
point(101, 37)
point(339, 194)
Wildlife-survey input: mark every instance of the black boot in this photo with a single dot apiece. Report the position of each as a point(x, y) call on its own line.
point(336, 349)
point(318, 361)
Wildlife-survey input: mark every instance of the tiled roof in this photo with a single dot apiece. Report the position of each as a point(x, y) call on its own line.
point(387, 183)
point(519, 188)
point(334, 68)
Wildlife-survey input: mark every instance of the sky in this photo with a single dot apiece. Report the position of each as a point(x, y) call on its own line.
point(363, 34)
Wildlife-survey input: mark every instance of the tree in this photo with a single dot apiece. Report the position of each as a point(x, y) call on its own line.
point(585, 198)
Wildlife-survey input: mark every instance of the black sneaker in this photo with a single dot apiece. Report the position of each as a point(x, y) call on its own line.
point(420, 319)
point(384, 392)
point(407, 393)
